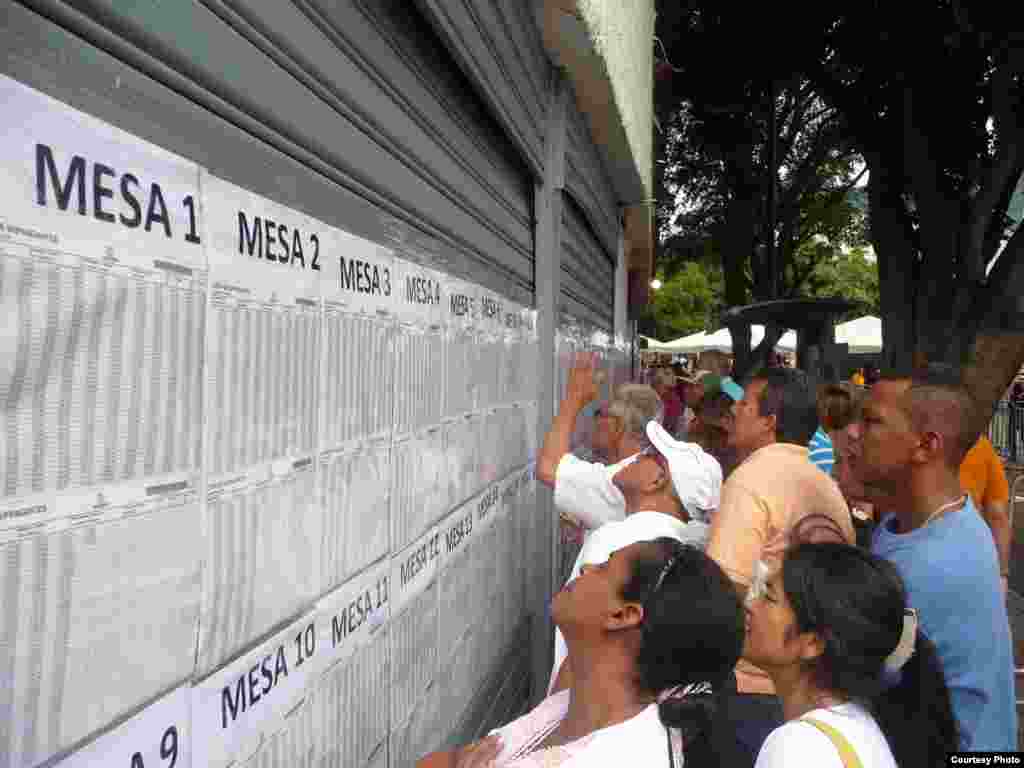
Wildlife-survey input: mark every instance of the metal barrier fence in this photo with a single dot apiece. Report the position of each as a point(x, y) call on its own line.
point(1006, 431)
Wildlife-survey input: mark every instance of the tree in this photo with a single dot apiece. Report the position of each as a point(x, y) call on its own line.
point(850, 275)
point(722, 197)
point(932, 97)
point(691, 299)
point(687, 302)
point(935, 103)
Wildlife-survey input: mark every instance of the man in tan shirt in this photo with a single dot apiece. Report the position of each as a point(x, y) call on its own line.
point(773, 499)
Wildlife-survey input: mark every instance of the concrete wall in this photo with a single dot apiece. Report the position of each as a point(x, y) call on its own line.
point(623, 35)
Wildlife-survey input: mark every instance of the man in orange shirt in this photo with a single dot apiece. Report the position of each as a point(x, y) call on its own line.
point(982, 475)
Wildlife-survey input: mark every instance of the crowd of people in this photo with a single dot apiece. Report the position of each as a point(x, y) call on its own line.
point(773, 575)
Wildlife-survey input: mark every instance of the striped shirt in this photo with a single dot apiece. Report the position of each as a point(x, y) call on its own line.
point(819, 451)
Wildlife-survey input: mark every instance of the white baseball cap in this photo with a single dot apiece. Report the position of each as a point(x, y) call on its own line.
point(696, 474)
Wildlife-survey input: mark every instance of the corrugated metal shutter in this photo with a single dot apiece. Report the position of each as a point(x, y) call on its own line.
point(590, 229)
point(588, 271)
point(352, 112)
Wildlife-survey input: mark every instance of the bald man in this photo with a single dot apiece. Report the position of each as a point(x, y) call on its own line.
point(913, 435)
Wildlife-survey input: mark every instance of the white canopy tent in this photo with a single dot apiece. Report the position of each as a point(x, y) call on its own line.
point(787, 342)
point(721, 340)
point(653, 345)
point(863, 334)
point(691, 343)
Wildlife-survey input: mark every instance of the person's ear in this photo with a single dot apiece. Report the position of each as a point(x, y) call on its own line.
point(625, 616)
point(812, 646)
point(616, 427)
point(657, 481)
point(929, 447)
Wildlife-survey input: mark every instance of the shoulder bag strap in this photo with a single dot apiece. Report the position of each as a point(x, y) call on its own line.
point(847, 754)
point(675, 747)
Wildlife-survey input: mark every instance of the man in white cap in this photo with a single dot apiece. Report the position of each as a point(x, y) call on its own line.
point(675, 486)
point(588, 494)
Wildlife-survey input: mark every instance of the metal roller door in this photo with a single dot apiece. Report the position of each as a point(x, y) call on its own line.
point(270, 556)
point(590, 230)
point(588, 271)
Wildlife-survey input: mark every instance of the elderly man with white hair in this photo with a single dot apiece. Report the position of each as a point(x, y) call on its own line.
point(657, 487)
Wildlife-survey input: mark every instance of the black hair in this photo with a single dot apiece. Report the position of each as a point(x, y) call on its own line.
point(693, 632)
point(856, 602)
point(714, 405)
point(836, 407)
point(939, 401)
point(788, 396)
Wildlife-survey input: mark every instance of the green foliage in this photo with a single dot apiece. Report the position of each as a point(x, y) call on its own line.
point(691, 300)
point(687, 302)
point(715, 180)
point(850, 276)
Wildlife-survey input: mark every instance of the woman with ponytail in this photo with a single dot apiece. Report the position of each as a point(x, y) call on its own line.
point(861, 686)
point(653, 632)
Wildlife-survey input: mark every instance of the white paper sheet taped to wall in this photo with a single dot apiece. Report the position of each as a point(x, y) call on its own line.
point(265, 327)
point(413, 653)
point(356, 510)
point(242, 704)
point(102, 271)
point(354, 735)
point(157, 737)
point(262, 540)
point(346, 406)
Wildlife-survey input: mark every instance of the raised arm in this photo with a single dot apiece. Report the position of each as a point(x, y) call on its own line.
point(581, 390)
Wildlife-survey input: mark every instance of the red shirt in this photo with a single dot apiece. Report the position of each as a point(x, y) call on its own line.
point(673, 410)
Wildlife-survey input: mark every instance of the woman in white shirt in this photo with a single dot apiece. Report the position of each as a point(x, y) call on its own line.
point(657, 616)
point(860, 686)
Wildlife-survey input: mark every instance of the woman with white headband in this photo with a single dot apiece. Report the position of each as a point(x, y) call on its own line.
point(861, 687)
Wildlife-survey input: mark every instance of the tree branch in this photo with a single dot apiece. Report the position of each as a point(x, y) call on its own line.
point(836, 93)
point(828, 138)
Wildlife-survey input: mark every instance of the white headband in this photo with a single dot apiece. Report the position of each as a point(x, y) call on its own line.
point(905, 647)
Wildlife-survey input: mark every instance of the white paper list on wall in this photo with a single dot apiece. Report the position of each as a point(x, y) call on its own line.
point(455, 584)
point(418, 378)
point(109, 603)
point(102, 321)
point(159, 736)
point(358, 400)
point(461, 352)
point(354, 735)
point(246, 702)
point(101, 298)
point(419, 495)
point(294, 745)
point(352, 616)
point(462, 450)
point(265, 328)
point(356, 510)
point(263, 540)
point(217, 410)
point(413, 653)
point(103, 272)
point(421, 733)
point(102, 370)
